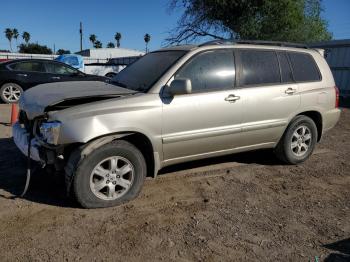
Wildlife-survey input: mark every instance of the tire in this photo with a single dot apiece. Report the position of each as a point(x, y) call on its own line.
point(10, 93)
point(291, 149)
point(110, 75)
point(98, 180)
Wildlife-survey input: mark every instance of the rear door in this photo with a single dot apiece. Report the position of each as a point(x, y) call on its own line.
point(270, 95)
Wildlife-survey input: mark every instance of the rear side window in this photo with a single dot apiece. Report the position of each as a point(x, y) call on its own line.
point(30, 66)
point(209, 71)
point(286, 72)
point(259, 67)
point(304, 67)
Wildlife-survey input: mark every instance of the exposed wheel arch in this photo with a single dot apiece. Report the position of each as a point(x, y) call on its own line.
point(139, 140)
point(317, 118)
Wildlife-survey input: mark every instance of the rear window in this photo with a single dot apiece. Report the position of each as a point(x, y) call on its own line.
point(304, 67)
point(259, 67)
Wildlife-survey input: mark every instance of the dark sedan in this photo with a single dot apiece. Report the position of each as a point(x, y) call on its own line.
point(18, 75)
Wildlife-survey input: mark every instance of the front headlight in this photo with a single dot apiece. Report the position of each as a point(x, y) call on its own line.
point(49, 132)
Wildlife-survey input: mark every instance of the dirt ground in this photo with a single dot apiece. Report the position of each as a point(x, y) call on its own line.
point(243, 207)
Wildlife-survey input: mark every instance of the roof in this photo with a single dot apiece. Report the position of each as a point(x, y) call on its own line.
point(179, 47)
point(242, 43)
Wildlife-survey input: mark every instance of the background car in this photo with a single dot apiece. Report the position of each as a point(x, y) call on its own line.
point(17, 76)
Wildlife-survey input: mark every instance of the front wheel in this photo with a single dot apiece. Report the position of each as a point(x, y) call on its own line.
point(109, 176)
point(298, 141)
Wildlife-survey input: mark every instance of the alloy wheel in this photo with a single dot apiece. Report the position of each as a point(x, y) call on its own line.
point(301, 141)
point(112, 178)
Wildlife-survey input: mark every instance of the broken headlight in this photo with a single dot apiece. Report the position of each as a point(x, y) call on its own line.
point(49, 132)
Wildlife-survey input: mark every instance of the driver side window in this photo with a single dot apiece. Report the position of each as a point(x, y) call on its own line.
point(210, 71)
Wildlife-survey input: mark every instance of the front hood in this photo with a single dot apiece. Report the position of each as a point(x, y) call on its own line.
point(36, 99)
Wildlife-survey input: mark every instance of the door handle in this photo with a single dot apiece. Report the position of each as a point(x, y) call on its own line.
point(56, 77)
point(290, 91)
point(232, 98)
point(25, 75)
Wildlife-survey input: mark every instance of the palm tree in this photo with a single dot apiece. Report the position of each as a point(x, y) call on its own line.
point(93, 39)
point(117, 38)
point(15, 36)
point(9, 35)
point(26, 37)
point(110, 45)
point(97, 44)
point(147, 38)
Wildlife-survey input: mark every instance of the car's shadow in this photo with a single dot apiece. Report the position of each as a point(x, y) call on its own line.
point(343, 251)
point(44, 188)
point(50, 189)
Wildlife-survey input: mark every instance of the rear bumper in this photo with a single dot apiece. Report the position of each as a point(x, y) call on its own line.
point(330, 119)
point(20, 137)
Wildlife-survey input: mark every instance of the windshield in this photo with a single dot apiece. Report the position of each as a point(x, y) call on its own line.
point(143, 73)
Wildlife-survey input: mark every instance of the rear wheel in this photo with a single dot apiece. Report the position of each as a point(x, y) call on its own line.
point(298, 141)
point(109, 176)
point(10, 92)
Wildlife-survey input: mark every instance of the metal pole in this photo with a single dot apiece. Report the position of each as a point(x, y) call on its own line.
point(81, 36)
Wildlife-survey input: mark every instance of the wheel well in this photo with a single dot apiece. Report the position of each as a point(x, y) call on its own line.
point(317, 118)
point(145, 146)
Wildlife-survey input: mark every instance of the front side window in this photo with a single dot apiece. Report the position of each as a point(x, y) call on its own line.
point(55, 68)
point(209, 71)
point(30, 66)
point(259, 67)
point(304, 67)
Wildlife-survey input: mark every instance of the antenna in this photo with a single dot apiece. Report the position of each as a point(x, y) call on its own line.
point(81, 36)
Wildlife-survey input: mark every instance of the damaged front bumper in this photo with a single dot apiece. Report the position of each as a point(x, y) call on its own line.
point(20, 137)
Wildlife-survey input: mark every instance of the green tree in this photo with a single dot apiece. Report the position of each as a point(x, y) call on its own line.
point(97, 44)
point(9, 36)
point(26, 37)
point(110, 45)
point(117, 38)
point(34, 48)
point(93, 39)
point(15, 36)
point(147, 38)
point(62, 52)
point(283, 20)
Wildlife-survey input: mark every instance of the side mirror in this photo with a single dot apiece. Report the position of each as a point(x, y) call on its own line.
point(180, 86)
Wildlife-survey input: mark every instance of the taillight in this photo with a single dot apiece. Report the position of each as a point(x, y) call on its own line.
point(336, 96)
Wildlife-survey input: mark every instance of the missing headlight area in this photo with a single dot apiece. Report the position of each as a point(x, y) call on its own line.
point(49, 132)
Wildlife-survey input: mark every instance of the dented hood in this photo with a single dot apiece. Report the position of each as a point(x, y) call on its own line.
point(36, 99)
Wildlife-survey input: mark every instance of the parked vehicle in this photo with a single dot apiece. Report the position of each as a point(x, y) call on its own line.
point(174, 105)
point(19, 75)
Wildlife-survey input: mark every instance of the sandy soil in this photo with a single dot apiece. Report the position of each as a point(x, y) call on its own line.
point(244, 207)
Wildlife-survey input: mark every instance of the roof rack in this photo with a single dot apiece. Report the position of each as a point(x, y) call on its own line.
point(254, 42)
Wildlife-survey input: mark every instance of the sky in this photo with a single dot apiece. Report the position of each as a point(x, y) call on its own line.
point(56, 22)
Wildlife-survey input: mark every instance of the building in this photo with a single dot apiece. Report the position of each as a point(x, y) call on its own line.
point(102, 55)
point(337, 53)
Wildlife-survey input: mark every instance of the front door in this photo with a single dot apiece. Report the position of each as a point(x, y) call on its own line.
point(207, 120)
